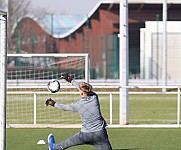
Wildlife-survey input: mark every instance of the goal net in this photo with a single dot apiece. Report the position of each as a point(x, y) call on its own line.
point(27, 78)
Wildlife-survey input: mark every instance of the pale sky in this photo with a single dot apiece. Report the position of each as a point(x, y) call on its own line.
point(81, 7)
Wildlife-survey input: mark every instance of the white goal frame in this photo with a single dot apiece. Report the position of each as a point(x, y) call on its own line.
point(86, 55)
point(41, 84)
point(3, 53)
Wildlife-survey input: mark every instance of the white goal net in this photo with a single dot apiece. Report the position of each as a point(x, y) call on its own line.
point(27, 78)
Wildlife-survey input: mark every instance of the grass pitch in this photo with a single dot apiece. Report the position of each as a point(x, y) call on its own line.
point(144, 109)
point(120, 138)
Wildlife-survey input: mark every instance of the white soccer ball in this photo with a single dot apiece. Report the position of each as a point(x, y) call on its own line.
point(53, 86)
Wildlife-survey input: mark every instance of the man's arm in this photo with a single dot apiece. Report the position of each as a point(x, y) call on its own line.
point(75, 83)
point(69, 79)
point(69, 107)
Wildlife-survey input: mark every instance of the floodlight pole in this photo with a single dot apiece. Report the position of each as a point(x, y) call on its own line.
point(123, 62)
point(164, 62)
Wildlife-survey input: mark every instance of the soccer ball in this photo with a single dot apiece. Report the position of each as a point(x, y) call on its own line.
point(53, 86)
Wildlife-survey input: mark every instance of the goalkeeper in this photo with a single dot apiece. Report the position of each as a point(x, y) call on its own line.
point(93, 129)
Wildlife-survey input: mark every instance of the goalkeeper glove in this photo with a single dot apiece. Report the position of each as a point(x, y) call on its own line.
point(67, 77)
point(50, 102)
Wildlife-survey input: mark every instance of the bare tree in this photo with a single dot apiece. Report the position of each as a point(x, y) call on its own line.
point(39, 12)
point(3, 4)
point(18, 9)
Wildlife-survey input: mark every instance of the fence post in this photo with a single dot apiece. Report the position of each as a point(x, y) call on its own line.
point(34, 109)
point(110, 108)
point(178, 107)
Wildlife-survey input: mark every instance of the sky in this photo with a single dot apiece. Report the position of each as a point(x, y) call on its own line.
point(81, 7)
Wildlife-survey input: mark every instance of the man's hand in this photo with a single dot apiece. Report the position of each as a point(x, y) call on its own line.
point(67, 77)
point(50, 102)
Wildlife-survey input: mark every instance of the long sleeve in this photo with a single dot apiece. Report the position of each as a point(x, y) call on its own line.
point(70, 107)
point(89, 110)
point(75, 83)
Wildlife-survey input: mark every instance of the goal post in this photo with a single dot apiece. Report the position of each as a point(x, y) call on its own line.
point(27, 78)
point(3, 52)
point(59, 55)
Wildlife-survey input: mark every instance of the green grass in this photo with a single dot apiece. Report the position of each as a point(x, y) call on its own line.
point(121, 139)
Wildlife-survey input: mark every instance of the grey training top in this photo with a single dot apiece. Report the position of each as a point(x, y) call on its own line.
point(89, 110)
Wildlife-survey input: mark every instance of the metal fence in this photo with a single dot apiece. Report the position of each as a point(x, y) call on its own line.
point(148, 107)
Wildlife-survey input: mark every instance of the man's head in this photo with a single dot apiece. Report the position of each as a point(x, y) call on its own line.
point(84, 89)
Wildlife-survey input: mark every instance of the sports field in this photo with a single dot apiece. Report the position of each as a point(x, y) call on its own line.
point(144, 109)
point(121, 139)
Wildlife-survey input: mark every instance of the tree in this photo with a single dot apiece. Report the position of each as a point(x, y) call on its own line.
point(18, 9)
point(3, 4)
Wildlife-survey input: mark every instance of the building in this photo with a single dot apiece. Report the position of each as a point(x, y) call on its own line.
point(96, 34)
